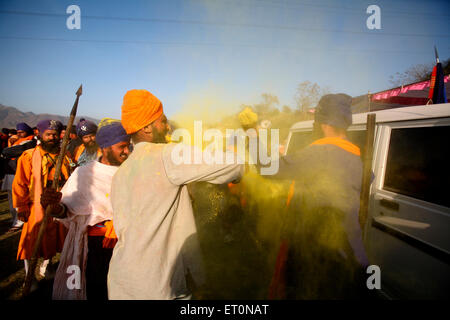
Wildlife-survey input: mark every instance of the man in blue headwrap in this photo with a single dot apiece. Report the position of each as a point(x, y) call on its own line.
point(89, 150)
point(84, 206)
point(23, 130)
point(9, 161)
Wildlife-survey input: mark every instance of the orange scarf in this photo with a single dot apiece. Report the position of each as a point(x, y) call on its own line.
point(19, 141)
point(39, 177)
point(110, 236)
point(36, 185)
point(110, 239)
point(339, 142)
point(29, 138)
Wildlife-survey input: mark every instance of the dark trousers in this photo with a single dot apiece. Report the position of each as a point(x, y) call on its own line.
point(321, 264)
point(97, 269)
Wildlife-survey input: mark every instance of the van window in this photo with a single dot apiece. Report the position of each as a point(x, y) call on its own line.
point(418, 164)
point(298, 141)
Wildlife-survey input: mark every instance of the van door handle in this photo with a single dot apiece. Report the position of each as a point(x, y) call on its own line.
point(390, 204)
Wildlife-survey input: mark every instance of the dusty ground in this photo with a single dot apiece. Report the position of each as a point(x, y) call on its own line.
point(12, 273)
point(230, 261)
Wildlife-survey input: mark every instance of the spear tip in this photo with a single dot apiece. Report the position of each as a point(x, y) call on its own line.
point(75, 105)
point(80, 91)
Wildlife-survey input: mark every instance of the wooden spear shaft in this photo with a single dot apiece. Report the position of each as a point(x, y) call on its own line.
point(33, 262)
point(367, 170)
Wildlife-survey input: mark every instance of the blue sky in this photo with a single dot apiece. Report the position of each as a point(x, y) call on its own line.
point(219, 54)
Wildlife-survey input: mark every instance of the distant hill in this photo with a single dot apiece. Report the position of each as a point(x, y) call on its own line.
point(10, 116)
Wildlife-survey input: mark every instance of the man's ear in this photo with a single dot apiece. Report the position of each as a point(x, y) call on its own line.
point(148, 129)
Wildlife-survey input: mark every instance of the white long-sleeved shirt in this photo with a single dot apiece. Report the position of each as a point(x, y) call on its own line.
point(154, 222)
point(87, 197)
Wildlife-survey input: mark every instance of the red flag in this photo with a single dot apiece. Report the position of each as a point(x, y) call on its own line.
point(432, 83)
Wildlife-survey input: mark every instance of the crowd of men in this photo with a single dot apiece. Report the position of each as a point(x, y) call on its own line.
point(122, 213)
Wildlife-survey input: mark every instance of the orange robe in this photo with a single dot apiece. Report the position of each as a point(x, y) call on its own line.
point(79, 150)
point(26, 194)
point(21, 140)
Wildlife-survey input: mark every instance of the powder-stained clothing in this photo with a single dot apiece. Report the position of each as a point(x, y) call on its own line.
point(87, 197)
point(154, 222)
point(328, 175)
point(325, 235)
point(35, 171)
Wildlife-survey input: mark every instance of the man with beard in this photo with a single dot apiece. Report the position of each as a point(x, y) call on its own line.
point(85, 209)
point(89, 149)
point(9, 158)
point(35, 171)
point(153, 218)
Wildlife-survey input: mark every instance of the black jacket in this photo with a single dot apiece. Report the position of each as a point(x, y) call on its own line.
point(8, 165)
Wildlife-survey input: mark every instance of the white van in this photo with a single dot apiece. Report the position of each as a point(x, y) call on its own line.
point(407, 233)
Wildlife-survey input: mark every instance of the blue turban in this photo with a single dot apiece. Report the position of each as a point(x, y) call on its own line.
point(49, 125)
point(85, 127)
point(111, 134)
point(24, 127)
point(334, 110)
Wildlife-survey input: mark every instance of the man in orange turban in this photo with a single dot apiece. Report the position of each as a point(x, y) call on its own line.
point(153, 218)
point(139, 109)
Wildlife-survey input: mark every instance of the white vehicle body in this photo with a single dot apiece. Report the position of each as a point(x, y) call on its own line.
point(407, 233)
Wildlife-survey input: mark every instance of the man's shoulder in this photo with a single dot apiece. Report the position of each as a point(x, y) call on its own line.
point(138, 162)
point(311, 151)
point(28, 153)
point(319, 155)
point(143, 149)
point(25, 161)
point(78, 150)
point(96, 167)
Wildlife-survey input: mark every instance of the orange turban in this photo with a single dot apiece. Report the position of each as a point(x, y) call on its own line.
point(139, 109)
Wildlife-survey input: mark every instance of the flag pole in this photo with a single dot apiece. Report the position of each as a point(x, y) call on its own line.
point(436, 54)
